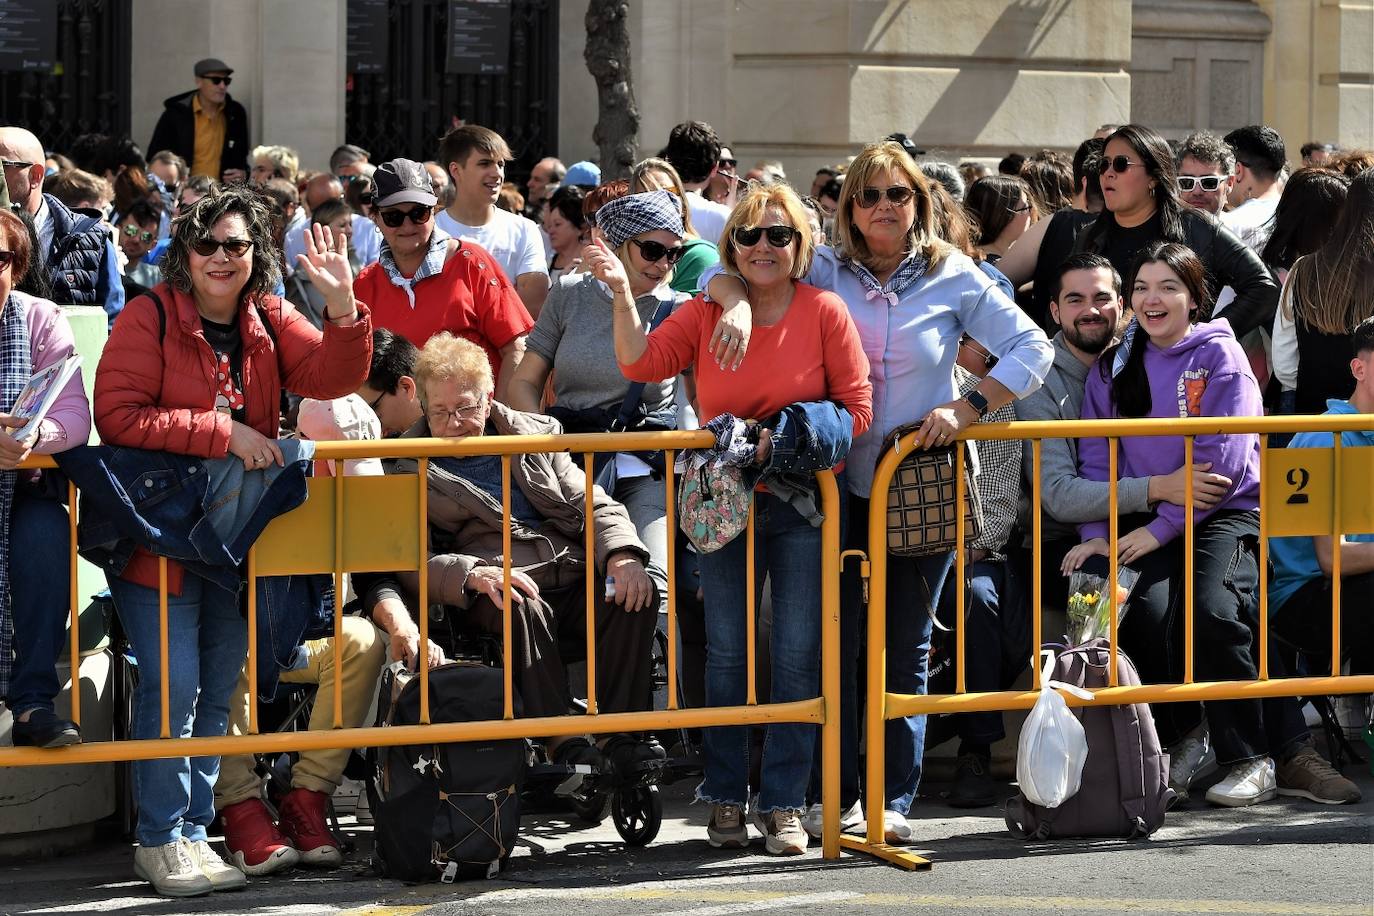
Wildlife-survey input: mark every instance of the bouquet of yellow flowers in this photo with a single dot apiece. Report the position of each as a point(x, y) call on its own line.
point(1090, 604)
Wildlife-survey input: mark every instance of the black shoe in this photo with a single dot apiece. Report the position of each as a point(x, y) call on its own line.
point(973, 785)
point(45, 729)
point(580, 752)
point(628, 756)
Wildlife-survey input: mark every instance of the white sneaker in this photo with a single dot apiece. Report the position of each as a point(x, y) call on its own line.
point(1188, 759)
point(896, 831)
point(851, 821)
point(222, 875)
point(1248, 783)
point(171, 870)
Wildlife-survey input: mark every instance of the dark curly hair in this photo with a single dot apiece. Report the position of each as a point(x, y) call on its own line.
point(195, 223)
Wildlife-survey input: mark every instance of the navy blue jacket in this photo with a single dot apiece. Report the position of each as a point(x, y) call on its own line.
point(163, 503)
point(807, 437)
point(76, 262)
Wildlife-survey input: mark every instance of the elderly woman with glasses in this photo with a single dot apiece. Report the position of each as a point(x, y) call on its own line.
point(912, 297)
point(805, 349)
point(197, 367)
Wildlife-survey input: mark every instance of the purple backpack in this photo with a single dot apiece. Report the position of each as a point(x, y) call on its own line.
point(1125, 788)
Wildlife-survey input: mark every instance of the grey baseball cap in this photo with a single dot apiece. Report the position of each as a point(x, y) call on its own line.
point(212, 65)
point(402, 181)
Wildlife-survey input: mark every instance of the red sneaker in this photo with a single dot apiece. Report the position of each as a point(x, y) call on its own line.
point(255, 844)
point(303, 820)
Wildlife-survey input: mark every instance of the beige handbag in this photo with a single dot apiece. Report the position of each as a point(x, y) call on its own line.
point(920, 500)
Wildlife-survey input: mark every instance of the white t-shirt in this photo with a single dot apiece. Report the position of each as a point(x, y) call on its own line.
point(708, 217)
point(1250, 221)
point(511, 239)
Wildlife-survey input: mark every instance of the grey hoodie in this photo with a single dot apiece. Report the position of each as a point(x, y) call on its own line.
point(1068, 499)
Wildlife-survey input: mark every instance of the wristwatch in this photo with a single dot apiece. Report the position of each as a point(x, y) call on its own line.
point(978, 403)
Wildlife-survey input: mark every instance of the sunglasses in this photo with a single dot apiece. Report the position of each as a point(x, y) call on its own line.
point(1208, 182)
point(235, 248)
point(15, 164)
point(1116, 164)
point(897, 194)
point(654, 252)
point(418, 214)
point(6, 258)
point(219, 80)
point(134, 232)
point(778, 236)
point(728, 163)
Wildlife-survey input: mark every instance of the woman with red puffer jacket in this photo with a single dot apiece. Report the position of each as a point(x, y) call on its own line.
point(197, 367)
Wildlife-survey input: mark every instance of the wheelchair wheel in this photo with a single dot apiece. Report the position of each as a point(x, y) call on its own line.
point(638, 813)
point(591, 808)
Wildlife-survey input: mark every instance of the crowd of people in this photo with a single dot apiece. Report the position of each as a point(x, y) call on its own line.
point(256, 305)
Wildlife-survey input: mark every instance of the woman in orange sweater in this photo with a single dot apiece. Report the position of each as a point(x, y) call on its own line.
point(804, 348)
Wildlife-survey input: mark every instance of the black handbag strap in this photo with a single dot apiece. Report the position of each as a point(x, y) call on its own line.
point(629, 408)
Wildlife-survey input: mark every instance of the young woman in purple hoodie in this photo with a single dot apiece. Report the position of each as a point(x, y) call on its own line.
point(1173, 362)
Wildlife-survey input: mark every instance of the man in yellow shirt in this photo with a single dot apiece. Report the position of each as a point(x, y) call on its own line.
point(205, 126)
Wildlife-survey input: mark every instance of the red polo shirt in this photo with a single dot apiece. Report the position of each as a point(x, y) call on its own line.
point(471, 298)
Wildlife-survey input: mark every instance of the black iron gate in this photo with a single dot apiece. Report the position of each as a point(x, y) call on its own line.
point(404, 111)
point(88, 89)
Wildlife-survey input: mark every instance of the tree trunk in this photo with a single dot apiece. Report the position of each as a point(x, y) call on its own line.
point(608, 60)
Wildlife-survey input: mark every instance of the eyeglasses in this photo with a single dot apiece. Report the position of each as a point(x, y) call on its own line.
point(1023, 208)
point(235, 248)
point(219, 80)
point(15, 164)
point(1116, 164)
point(653, 252)
point(1208, 182)
point(6, 257)
point(133, 232)
point(438, 416)
point(778, 236)
point(418, 214)
point(372, 404)
point(897, 195)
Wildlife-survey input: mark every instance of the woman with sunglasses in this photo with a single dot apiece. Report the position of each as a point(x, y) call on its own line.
point(1140, 190)
point(1000, 209)
point(426, 281)
point(573, 342)
point(805, 348)
point(912, 298)
point(197, 367)
point(698, 253)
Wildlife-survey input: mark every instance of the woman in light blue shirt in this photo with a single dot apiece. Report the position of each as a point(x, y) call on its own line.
point(912, 297)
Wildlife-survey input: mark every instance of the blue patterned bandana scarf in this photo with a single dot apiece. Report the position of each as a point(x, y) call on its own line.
point(15, 369)
point(907, 273)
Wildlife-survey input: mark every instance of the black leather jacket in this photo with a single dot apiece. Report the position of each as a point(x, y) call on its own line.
point(1229, 262)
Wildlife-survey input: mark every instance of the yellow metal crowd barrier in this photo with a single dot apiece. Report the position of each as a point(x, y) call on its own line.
point(1335, 495)
point(379, 524)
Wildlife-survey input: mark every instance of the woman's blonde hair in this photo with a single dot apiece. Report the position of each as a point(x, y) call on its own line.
point(873, 160)
point(749, 212)
point(452, 359)
point(638, 185)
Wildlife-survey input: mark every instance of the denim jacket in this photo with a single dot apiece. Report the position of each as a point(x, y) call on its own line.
point(808, 436)
point(204, 514)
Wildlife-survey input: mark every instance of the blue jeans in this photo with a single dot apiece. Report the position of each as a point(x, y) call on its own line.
point(40, 597)
point(207, 641)
point(788, 551)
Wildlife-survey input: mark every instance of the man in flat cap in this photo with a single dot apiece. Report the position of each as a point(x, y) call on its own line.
point(205, 126)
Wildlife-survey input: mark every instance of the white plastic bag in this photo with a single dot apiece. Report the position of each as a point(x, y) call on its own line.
point(1053, 747)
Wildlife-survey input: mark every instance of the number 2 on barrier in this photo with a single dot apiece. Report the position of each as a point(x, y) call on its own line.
point(1301, 489)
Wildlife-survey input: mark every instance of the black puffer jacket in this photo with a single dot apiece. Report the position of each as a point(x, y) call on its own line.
point(1228, 261)
point(176, 131)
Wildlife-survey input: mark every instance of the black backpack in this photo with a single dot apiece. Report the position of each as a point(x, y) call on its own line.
point(445, 811)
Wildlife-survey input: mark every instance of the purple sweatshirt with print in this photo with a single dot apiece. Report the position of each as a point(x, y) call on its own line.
point(1206, 374)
